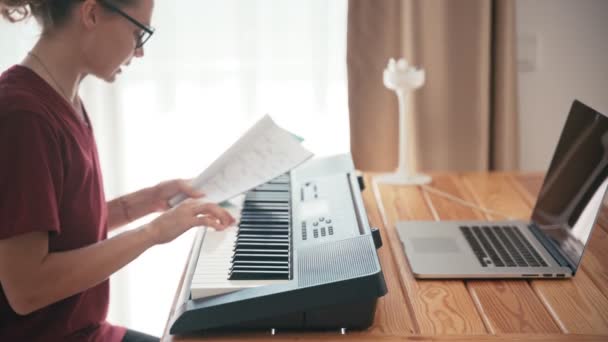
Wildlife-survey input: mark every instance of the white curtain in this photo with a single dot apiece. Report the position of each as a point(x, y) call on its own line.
point(211, 69)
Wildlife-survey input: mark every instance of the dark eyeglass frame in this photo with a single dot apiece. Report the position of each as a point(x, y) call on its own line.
point(146, 32)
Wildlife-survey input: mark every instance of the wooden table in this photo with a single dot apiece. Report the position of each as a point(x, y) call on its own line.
point(419, 310)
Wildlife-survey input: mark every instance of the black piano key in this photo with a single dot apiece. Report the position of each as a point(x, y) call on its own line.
point(260, 268)
point(255, 195)
point(261, 236)
point(265, 217)
point(265, 204)
point(282, 252)
point(271, 232)
point(277, 190)
point(273, 190)
point(263, 245)
point(262, 242)
point(250, 275)
point(262, 228)
point(261, 222)
point(246, 239)
point(239, 256)
point(261, 255)
point(265, 209)
point(260, 262)
point(270, 201)
point(265, 213)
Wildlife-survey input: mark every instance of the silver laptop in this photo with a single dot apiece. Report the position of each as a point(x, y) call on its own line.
point(551, 244)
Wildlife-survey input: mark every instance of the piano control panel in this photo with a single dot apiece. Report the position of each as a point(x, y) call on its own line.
point(317, 228)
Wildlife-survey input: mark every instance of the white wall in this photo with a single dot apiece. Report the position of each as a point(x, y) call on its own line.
point(570, 61)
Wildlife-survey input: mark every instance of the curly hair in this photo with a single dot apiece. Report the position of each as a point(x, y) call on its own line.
point(49, 13)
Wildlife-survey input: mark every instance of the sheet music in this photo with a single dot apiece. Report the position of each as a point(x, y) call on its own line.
point(264, 152)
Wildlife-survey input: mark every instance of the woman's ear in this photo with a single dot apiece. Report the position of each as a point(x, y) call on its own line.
point(89, 13)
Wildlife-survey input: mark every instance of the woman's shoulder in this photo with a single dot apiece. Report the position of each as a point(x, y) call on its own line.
point(21, 98)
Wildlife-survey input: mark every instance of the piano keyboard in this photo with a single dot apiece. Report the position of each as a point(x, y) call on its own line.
point(257, 252)
point(307, 235)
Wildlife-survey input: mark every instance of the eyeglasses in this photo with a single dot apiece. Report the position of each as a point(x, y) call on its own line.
point(146, 31)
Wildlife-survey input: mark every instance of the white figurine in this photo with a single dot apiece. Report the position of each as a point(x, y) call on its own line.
point(402, 78)
point(399, 76)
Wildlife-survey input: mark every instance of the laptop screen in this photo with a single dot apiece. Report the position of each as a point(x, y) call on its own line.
point(574, 186)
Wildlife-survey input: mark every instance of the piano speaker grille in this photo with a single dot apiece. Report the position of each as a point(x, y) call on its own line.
point(340, 260)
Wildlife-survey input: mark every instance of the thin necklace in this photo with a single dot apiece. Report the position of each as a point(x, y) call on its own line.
point(50, 75)
point(63, 93)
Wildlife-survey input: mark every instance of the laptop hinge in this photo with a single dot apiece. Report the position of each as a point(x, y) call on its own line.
point(550, 246)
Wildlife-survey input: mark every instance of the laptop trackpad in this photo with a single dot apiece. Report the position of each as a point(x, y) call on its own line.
point(434, 245)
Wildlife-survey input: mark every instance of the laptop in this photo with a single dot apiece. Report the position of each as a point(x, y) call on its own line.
point(551, 243)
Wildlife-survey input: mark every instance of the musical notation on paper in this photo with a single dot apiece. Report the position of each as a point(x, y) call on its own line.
point(264, 152)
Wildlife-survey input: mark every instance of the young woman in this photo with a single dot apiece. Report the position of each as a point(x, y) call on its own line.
point(55, 258)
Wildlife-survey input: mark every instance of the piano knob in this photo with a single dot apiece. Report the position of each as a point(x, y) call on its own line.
point(376, 236)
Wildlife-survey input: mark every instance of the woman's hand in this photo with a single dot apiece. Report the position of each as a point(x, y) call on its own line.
point(189, 213)
point(164, 191)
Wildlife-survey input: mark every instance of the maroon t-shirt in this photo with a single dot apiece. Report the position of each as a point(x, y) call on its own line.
point(50, 181)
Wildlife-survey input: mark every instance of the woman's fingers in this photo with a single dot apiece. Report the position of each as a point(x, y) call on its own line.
point(216, 211)
point(210, 221)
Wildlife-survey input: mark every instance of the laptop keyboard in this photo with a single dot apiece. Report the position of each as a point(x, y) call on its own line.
point(501, 246)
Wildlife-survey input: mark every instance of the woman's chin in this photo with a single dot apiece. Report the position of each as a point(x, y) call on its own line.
point(112, 76)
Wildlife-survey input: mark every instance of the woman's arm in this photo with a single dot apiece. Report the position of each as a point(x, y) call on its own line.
point(33, 278)
point(128, 208)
